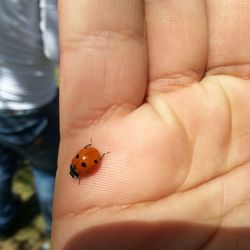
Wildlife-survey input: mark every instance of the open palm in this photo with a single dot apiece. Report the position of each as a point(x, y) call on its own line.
point(166, 92)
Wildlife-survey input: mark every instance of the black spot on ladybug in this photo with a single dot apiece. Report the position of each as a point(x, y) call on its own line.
point(83, 164)
point(77, 156)
point(96, 161)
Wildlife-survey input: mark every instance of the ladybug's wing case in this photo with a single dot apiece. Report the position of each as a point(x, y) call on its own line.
point(85, 161)
point(92, 157)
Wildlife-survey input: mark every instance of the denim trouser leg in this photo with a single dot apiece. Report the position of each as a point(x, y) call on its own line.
point(42, 155)
point(44, 188)
point(33, 135)
point(8, 208)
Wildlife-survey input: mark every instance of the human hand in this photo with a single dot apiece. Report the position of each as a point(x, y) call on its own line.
point(173, 110)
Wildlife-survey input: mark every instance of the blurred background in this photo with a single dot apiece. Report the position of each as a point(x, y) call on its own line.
point(29, 122)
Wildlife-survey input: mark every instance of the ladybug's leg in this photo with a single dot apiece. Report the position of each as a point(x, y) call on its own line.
point(104, 154)
point(88, 145)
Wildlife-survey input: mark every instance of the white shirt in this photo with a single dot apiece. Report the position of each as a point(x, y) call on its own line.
point(28, 53)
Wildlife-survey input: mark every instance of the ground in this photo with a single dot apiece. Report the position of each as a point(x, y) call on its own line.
point(28, 231)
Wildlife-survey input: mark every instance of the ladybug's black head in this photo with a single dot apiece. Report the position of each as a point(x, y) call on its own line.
point(73, 171)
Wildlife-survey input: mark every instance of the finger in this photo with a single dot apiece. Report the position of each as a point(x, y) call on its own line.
point(229, 36)
point(103, 59)
point(177, 42)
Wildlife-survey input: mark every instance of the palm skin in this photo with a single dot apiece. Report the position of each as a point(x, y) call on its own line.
point(177, 175)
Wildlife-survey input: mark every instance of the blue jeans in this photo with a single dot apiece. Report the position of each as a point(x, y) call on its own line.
point(31, 135)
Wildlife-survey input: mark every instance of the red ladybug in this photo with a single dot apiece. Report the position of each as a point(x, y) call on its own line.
point(85, 161)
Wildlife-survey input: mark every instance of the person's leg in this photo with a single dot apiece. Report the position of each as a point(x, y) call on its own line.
point(42, 154)
point(8, 200)
point(34, 134)
point(44, 189)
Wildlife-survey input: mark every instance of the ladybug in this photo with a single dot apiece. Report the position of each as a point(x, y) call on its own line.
point(85, 161)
